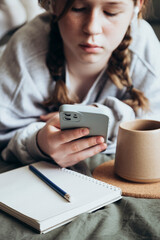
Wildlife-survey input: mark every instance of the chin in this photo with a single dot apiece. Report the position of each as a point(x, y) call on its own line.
point(90, 59)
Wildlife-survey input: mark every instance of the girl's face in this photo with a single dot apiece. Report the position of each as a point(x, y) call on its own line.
point(92, 29)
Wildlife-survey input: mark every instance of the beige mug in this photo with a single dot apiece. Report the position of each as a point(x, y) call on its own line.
point(138, 151)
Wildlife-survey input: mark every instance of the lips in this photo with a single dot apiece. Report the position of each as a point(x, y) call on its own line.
point(90, 45)
point(90, 48)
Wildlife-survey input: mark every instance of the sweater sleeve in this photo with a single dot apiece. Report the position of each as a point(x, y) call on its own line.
point(23, 145)
point(117, 111)
point(25, 84)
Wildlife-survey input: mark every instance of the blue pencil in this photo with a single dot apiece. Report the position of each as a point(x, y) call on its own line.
point(50, 183)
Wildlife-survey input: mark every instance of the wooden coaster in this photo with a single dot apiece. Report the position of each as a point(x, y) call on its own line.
point(105, 173)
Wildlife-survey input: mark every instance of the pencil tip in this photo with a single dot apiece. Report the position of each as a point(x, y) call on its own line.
point(67, 197)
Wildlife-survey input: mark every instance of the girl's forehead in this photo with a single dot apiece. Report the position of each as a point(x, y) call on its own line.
point(61, 4)
point(105, 1)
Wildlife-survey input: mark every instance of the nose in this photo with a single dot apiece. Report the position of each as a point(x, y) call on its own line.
point(93, 24)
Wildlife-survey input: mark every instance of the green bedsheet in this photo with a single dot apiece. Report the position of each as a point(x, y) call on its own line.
point(129, 218)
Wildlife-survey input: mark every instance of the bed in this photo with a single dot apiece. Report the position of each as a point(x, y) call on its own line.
point(129, 218)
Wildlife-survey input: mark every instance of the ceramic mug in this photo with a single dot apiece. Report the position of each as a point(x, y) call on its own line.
point(138, 151)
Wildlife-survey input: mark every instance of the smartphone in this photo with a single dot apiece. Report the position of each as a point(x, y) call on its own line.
point(77, 116)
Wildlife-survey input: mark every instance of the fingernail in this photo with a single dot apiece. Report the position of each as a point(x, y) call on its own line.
point(104, 146)
point(85, 131)
point(100, 140)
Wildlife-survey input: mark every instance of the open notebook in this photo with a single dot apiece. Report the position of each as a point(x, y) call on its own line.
point(26, 197)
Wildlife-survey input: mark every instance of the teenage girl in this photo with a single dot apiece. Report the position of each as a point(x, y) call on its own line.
point(92, 52)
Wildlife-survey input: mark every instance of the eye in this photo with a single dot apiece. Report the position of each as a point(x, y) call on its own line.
point(81, 9)
point(110, 14)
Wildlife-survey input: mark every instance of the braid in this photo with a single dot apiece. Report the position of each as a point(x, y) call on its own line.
point(118, 66)
point(119, 72)
point(55, 57)
point(56, 63)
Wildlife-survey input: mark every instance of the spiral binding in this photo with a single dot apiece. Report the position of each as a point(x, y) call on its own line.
point(90, 179)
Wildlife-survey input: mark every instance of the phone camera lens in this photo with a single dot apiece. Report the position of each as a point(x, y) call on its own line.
point(75, 116)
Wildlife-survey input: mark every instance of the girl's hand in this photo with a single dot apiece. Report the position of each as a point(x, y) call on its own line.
point(67, 147)
point(48, 116)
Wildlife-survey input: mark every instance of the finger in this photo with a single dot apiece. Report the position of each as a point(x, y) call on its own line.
point(63, 139)
point(59, 138)
point(84, 143)
point(48, 116)
point(89, 152)
point(72, 134)
point(82, 155)
point(54, 120)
